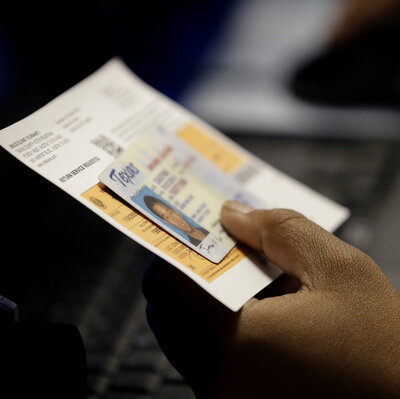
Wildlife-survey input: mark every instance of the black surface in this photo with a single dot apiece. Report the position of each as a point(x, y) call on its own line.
point(70, 266)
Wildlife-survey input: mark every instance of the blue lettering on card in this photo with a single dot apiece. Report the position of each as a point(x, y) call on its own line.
point(126, 175)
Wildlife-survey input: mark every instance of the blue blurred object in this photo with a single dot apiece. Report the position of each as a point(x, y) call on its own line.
point(163, 42)
point(56, 45)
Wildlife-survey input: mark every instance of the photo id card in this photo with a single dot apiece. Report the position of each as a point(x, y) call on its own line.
point(178, 189)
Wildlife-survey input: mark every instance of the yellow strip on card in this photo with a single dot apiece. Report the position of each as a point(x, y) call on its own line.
point(224, 158)
point(144, 228)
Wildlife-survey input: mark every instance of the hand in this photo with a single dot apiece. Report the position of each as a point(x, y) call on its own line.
point(334, 335)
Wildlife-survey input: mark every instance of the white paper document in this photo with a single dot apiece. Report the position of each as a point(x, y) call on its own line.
point(164, 175)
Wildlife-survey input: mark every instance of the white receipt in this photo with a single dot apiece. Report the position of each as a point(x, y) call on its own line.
point(81, 133)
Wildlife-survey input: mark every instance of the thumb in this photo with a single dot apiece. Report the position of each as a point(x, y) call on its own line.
point(295, 244)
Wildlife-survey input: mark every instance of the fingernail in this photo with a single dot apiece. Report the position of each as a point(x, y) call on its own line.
point(237, 207)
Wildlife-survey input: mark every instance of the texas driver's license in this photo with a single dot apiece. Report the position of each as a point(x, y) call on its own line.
point(177, 188)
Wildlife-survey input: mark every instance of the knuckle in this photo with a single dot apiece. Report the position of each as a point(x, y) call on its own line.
point(353, 260)
point(290, 225)
point(286, 217)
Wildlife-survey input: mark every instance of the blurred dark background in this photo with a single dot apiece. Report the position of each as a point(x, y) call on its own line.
point(46, 47)
point(276, 76)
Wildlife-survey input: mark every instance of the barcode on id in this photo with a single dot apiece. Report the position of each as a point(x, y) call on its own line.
point(246, 173)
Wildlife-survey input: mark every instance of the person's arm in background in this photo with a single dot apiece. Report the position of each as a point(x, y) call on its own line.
point(361, 16)
point(334, 333)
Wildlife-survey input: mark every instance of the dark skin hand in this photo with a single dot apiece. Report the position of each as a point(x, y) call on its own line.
point(329, 327)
